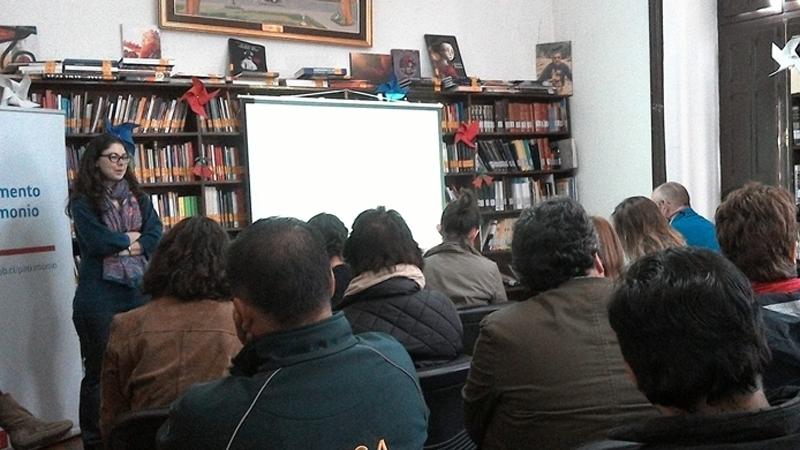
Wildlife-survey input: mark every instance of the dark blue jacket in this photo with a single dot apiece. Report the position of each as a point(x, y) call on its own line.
point(696, 229)
point(315, 387)
point(96, 241)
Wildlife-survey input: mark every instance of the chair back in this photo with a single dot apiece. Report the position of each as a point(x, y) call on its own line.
point(471, 319)
point(137, 430)
point(441, 387)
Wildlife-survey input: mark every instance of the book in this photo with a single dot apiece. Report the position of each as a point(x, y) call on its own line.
point(305, 73)
point(246, 57)
point(19, 45)
point(314, 82)
point(375, 67)
point(141, 42)
point(405, 64)
point(351, 84)
point(554, 65)
point(445, 56)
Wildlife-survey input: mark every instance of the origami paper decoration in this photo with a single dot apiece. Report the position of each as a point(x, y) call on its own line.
point(482, 179)
point(123, 132)
point(201, 168)
point(15, 93)
point(466, 133)
point(787, 56)
point(392, 90)
point(197, 97)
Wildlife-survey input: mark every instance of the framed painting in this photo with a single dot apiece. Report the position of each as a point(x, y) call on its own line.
point(345, 22)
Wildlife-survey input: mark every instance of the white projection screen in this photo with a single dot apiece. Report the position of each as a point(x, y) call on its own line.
point(312, 155)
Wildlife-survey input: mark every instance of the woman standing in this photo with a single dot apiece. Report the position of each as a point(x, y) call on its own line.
point(117, 231)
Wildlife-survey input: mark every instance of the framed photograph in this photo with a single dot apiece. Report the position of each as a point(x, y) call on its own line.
point(554, 64)
point(345, 22)
point(373, 67)
point(19, 44)
point(141, 42)
point(445, 56)
point(405, 64)
point(246, 57)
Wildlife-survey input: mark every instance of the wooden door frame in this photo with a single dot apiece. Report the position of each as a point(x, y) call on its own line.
point(657, 146)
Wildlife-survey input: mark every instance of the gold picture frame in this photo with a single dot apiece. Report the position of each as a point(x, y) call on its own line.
point(342, 22)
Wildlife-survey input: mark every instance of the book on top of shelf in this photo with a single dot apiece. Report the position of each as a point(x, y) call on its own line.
point(445, 56)
point(320, 72)
point(141, 41)
point(136, 63)
point(19, 45)
point(246, 57)
point(314, 82)
point(375, 67)
point(405, 63)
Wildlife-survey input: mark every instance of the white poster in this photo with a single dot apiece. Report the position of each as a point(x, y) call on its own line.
point(40, 362)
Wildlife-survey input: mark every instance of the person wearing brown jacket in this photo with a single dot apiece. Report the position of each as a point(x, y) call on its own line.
point(185, 335)
point(547, 372)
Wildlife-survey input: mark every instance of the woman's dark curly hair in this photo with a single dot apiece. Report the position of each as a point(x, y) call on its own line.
point(189, 263)
point(333, 232)
point(380, 239)
point(89, 182)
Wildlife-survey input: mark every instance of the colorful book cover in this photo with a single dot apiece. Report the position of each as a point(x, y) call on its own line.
point(374, 67)
point(19, 45)
point(406, 64)
point(554, 64)
point(141, 42)
point(246, 57)
point(445, 56)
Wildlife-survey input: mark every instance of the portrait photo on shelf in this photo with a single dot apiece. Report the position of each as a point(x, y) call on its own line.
point(554, 64)
point(345, 22)
point(373, 67)
point(141, 41)
point(19, 45)
point(406, 64)
point(246, 56)
point(445, 56)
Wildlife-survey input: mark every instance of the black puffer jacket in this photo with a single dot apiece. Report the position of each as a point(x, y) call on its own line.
point(425, 322)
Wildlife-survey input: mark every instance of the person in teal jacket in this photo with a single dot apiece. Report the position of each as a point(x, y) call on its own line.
point(673, 202)
point(117, 231)
point(302, 380)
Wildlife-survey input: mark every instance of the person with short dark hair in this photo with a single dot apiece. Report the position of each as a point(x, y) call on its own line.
point(455, 267)
point(674, 203)
point(642, 229)
point(184, 335)
point(303, 379)
point(547, 372)
point(334, 235)
point(692, 336)
point(757, 231)
point(388, 292)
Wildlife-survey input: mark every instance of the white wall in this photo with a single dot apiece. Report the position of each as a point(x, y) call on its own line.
point(495, 42)
point(691, 100)
point(611, 107)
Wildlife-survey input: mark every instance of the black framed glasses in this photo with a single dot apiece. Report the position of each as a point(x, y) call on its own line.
point(116, 159)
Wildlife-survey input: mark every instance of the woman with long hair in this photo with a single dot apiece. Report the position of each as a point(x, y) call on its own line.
point(184, 335)
point(642, 229)
point(611, 254)
point(455, 267)
point(117, 230)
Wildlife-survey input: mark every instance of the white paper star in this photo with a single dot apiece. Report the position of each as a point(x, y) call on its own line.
point(786, 57)
point(16, 93)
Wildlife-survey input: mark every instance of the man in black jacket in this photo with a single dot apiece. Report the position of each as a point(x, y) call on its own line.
point(691, 333)
point(302, 380)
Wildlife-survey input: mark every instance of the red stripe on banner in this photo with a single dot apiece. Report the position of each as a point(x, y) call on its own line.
point(26, 250)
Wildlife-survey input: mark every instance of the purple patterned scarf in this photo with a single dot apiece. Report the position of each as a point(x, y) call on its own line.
point(126, 269)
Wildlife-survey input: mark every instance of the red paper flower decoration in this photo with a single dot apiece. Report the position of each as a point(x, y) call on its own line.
point(466, 133)
point(481, 179)
point(197, 97)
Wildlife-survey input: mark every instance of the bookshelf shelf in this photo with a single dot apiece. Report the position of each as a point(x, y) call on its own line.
point(513, 173)
point(511, 135)
point(138, 136)
point(491, 214)
point(170, 185)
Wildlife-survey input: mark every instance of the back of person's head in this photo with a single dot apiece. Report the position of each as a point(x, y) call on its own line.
point(552, 243)
point(189, 263)
point(689, 328)
point(610, 252)
point(333, 231)
point(757, 230)
point(673, 193)
point(642, 228)
point(279, 265)
point(461, 216)
point(380, 239)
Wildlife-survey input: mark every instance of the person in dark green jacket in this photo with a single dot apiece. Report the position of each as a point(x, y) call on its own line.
point(302, 380)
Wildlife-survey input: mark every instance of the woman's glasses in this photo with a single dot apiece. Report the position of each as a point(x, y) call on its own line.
point(116, 159)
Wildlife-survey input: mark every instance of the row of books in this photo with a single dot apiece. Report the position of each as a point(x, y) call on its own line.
point(497, 155)
point(172, 163)
point(130, 69)
point(506, 116)
point(518, 193)
point(223, 206)
point(222, 115)
point(173, 207)
point(85, 113)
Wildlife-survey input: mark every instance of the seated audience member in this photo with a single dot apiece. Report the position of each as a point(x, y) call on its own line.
point(610, 251)
point(26, 430)
point(184, 335)
point(387, 292)
point(642, 229)
point(673, 202)
point(334, 234)
point(455, 267)
point(547, 372)
point(691, 333)
point(302, 380)
point(757, 231)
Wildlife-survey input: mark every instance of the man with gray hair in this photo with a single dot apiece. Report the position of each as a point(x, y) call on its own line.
point(673, 202)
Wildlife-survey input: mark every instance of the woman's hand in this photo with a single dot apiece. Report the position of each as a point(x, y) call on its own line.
point(133, 236)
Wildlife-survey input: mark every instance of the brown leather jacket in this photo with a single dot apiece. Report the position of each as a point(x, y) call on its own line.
point(155, 352)
point(547, 373)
